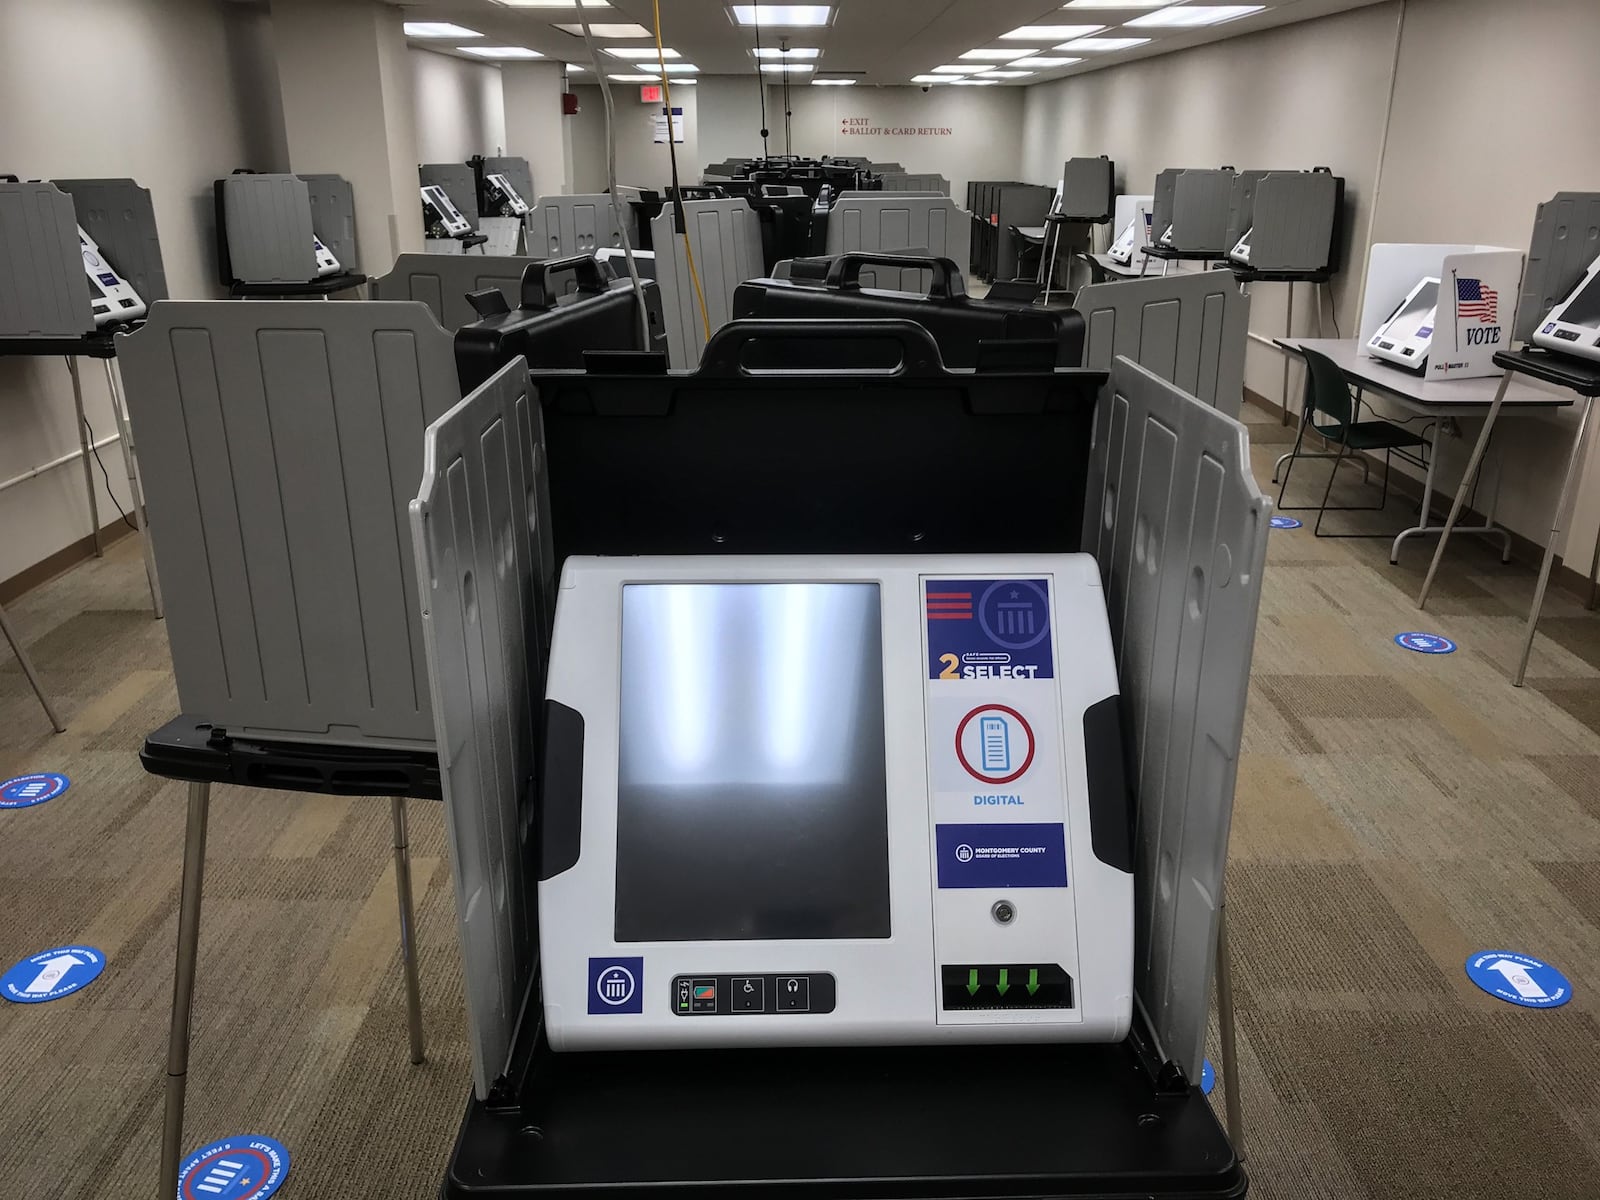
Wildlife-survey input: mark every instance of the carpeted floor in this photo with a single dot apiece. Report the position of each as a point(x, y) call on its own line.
point(1395, 812)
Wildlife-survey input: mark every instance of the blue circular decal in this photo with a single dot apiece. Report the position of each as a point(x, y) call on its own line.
point(52, 974)
point(1425, 643)
point(250, 1167)
point(1208, 1077)
point(24, 791)
point(1286, 523)
point(1015, 613)
point(1518, 979)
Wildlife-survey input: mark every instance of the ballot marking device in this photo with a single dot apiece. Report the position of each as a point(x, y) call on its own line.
point(1406, 337)
point(1573, 326)
point(110, 295)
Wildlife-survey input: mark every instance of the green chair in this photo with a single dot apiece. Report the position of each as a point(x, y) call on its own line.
point(1328, 394)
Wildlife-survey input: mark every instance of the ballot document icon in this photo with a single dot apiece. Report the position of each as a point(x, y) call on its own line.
point(995, 737)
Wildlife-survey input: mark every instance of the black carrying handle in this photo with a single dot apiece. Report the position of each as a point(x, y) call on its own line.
point(724, 353)
point(536, 290)
point(845, 274)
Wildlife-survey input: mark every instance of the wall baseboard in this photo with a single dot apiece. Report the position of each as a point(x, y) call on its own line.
point(61, 561)
point(1523, 550)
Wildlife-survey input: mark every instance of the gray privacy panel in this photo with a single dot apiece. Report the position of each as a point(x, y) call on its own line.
point(480, 527)
point(121, 219)
point(43, 292)
point(280, 444)
point(517, 172)
point(333, 216)
point(1200, 210)
point(884, 168)
point(727, 252)
point(1088, 189)
point(1296, 213)
point(561, 226)
point(1242, 209)
point(1161, 200)
point(1566, 239)
point(1189, 329)
point(905, 182)
point(1179, 528)
point(269, 232)
point(442, 282)
point(890, 222)
point(458, 183)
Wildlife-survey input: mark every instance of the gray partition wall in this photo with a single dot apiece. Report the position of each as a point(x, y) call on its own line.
point(1566, 239)
point(561, 226)
point(890, 222)
point(43, 292)
point(281, 444)
point(903, 182)
point(1295, 215)
point(1190, 329)
point(268, 228)
point(119, 215)
point(727, 251)
point(443, 281)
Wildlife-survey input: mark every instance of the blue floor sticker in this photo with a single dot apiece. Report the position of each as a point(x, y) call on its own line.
point(1208, 1077)
point(250, 1167)
point(1286, 523)
point(24, 791)
point(1425, 643)
point(1518, 979)
point(52, 974)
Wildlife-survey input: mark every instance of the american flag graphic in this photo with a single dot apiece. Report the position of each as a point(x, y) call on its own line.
point(949, 606)
point(1475, 300)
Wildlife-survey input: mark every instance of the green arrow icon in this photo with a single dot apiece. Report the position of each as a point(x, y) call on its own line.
point(1005, 982)
point(972, 982)
point(1033, 981)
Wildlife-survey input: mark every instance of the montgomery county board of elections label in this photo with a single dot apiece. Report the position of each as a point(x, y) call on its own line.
point(1208, 1077)
point(1008, 855)
point(988, 629)
point(24, 791)
point(616, 985)
point(1425, 643)
point(52, 974)
point(1285, 523)
point(250, 1167)
point(1518, 979)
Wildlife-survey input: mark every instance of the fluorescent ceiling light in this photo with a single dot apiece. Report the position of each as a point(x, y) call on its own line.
point(1041, 64)
point(775, 52)
point(930, 79)
point(1049, 33)
point(833, 83)
point(683, 82)
point(1108, 3)
point(681, 68)
point(1103, 44)
point(1003, 75)
point(595, 4)
point(500, 51)
point(772, 16)
point(975, 82)
point(576, 67)
point(626, 30)
point(955, 70)
point(634, 78)
point(438, 29)
point(641, 53)
point(787, 68)
point(1186, 16)
point(999, 55)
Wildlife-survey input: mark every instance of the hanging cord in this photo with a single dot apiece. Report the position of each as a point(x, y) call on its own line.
point(680, 219)
point(611, 179)
point(761, 84)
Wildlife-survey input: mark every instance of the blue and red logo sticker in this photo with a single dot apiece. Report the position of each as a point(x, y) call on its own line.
point(249, 1167)
point(24, 791)
point(986, 629)
point(1425, 643)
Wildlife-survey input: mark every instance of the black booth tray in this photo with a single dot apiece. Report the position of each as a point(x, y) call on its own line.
point(1575, 374)
point(325, 286)
point(929, 1124)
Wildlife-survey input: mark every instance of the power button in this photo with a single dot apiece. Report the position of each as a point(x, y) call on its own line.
point(794, 993)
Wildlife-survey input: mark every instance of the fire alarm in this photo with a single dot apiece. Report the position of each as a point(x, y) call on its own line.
point(569, 104)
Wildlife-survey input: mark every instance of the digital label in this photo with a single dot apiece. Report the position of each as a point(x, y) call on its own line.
point(988, 629)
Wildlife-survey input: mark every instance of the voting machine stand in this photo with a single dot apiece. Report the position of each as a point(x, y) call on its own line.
point(1193, 205)
point(47, 309)
point(1565, 242)
point(626, 459)
point(267, 230)
point(1087, 197)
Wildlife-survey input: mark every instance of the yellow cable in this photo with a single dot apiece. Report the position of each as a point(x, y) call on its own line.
point(688, 250)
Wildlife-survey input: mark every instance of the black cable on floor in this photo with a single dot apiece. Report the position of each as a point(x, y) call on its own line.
point(104, 474)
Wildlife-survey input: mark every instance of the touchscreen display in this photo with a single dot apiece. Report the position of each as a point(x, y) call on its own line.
point(752, 800)
point(1584, 308)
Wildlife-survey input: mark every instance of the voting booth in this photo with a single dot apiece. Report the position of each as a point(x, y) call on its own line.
point(505, 197)
point(285, 235)
point(744, 753)
point(1132, 220)
point(1442, 311)
point(1285, 222)
point(1190, 211)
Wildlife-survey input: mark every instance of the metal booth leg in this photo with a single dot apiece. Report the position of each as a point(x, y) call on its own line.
point(408, 922)
point(1288, 336)
point(1230, 1053)
point(135, 485)
point(194, 868)
point(1050, 271)
point(1466, 486)
point(88, 453)
point(1568, 486)
point(27, 669)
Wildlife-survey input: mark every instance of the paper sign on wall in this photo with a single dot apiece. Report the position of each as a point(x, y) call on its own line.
point(677, 127)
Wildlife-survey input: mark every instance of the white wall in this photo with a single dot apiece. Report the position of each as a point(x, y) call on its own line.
point(460, 107)
point(534, 127)
point(1316, 93)
point(174, 140)
point(640, 160)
